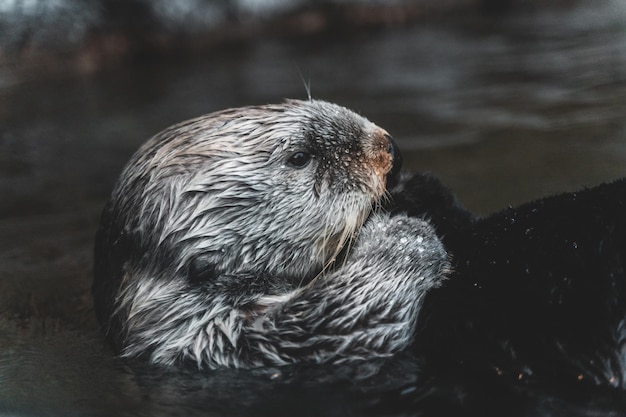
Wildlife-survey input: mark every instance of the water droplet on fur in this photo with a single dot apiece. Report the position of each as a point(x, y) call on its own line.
point(403, 240)
point(419, 239)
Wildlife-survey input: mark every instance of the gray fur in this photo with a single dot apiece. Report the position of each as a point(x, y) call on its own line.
point(214, 250)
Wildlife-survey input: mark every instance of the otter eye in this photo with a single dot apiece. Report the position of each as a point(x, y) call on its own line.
point(300, 159)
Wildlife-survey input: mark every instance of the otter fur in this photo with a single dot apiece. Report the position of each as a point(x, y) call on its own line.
point(537, 292)
point(255, 236)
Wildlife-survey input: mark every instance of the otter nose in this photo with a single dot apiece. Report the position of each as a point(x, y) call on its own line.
point(394, 151)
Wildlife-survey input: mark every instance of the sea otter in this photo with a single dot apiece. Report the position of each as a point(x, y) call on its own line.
point(255, 236)
point(279, 234)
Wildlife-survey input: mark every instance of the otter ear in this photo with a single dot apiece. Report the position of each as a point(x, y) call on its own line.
point(201, 269)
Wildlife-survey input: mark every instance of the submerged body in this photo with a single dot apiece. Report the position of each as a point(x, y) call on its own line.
point(252, 237)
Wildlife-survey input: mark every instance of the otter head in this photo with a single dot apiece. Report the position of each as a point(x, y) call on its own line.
point(276, 190)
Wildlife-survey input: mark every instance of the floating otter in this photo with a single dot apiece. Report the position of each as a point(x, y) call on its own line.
point(254, 236)
point(265, 236)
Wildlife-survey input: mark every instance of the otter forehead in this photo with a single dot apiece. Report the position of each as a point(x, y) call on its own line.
point(262, 131)
point(331, 126)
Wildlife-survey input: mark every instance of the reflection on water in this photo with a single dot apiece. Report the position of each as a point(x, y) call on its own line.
point(503, 109)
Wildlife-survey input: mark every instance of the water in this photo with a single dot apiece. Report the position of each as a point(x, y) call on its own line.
point(503, 109)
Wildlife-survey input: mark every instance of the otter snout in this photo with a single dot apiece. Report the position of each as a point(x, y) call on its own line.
point(396, 160)
point(387, 161)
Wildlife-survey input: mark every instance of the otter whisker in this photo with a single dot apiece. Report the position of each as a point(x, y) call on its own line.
point(330, 233)
point(352, 235)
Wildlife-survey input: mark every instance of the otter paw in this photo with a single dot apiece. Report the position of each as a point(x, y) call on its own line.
point(403, 238)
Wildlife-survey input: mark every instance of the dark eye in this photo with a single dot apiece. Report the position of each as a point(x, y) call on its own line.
point(300, 159)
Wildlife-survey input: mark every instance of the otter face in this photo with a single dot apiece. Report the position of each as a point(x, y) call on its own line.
point(276, 190)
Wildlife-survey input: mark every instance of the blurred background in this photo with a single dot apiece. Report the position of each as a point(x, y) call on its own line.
point(504, 100)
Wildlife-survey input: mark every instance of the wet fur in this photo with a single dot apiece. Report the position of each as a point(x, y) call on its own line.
point(214, 251)
point(537, 292)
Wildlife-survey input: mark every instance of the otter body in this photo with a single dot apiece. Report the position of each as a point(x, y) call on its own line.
point(536, 293)
point(253, 237)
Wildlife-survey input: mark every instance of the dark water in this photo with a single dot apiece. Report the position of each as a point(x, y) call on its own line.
point(503, 108)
